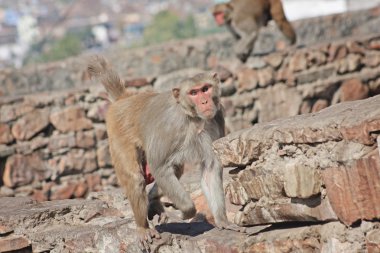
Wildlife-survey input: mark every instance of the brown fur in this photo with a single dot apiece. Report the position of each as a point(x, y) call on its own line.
point(244, 18)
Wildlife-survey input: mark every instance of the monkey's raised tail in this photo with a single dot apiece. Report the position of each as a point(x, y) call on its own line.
point(101, 70)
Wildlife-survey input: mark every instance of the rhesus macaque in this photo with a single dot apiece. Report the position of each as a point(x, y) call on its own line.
point(167, 131)
point(244, 18)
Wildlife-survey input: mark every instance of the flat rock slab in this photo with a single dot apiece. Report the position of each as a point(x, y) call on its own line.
point(63, 226)
point(46, 227)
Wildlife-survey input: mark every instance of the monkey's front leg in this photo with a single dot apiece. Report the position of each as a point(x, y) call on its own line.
point(156, 208)
point(212, 186)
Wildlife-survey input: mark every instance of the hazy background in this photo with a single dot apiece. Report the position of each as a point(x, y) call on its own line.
point(33, 31)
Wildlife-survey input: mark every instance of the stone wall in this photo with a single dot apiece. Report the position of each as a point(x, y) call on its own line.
point(302, 80)
point(203, 53)
point(53, 145)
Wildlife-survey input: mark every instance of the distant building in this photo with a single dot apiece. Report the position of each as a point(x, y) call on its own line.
point(361, 4)
point(298, 9)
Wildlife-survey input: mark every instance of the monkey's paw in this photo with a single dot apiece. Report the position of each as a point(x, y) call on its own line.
point(230, 226)
point(159, 219)
point(145, 238)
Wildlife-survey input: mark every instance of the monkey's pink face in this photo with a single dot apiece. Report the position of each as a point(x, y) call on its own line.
point(219, 18)
point(201, 95)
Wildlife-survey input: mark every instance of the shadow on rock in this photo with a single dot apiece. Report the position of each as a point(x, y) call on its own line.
point(190, 229)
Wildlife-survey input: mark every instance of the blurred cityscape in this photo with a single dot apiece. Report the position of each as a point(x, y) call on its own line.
point(47, 30)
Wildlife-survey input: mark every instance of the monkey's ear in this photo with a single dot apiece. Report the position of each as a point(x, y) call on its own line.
point(176, 92)
point(215, 76)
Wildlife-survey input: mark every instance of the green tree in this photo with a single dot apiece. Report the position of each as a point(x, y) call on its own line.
point(55, 50)
point(166, 25)
point(186, 28)
point(69, 45)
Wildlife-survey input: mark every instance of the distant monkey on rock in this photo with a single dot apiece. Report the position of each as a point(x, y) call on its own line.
point(244, 18)
point(166, 131)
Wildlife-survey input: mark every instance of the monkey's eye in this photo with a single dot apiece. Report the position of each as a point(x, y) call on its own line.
point(205, 88)
point(193, 92)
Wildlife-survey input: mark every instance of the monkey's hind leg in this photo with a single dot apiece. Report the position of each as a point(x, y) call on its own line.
point(127, 167)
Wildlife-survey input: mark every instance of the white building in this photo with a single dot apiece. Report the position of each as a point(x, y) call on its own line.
point(298, 9)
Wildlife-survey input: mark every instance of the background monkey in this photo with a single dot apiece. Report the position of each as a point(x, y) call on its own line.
point(167, 131)
point(244, 18)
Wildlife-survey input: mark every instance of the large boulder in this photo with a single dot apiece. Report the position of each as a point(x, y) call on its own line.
point(314, 167)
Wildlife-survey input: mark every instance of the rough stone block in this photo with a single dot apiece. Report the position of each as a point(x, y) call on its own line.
point(301, 181)
point(31, 124)
point(70, 119)
point(354, 191)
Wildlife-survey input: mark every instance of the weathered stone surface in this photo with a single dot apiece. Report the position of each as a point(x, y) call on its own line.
point(374, 44)
point(315, 74)
point(319, 238)
point(301, 181)
point(247, 79)
point(223, 73)
point(349, 64)
point(14, 243)
point(9, 113)
point(372, 59)
point(5, 230)
point(353, 89)
point(85, 139)
point(77, 161)
point(354, 192)
point(337, 52)
point(98, 111)
point(70, 119)
point(315, 58)
point(100, 132)
point(252, 186)
point(275, 59)
point(284, 161)
point(265, 77)
point(278, 101)
point(103, 155)
point(267, 210)
point(31, 124)
point(319, 105)
point(22, 170)
point(298, 62)
point(356, 47)
point(330, 124)
point(63, 191)
point(5, 134)
point(104, 223)
point(93, 181)
point(373, 241)
point(64, 141)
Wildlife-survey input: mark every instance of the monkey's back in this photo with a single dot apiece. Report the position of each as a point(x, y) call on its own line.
point(122, 116)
